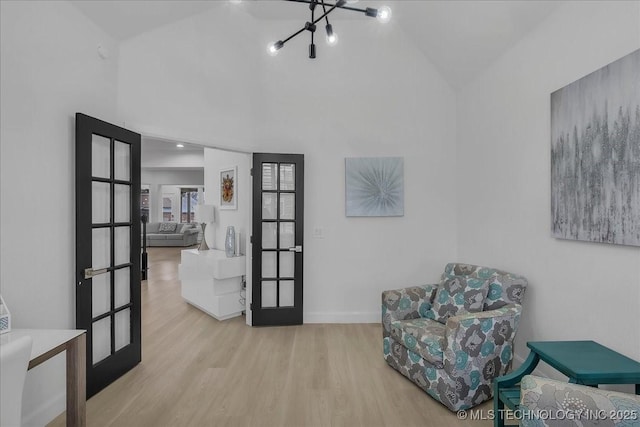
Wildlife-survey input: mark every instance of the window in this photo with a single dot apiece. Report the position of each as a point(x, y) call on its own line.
point(189, 201)
point(167, 215)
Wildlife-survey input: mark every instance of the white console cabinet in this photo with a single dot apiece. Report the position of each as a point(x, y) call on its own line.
point(212, 282)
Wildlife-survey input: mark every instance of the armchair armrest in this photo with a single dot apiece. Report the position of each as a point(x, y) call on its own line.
point(406, 303)
point(483, 339)
point(542, 400)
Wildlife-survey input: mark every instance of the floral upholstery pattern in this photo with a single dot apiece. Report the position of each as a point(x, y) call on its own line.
point(476, 347)
point(459, 295)
point(408, 303)
point(423, 336)
point(545, 402)
point(504, 288)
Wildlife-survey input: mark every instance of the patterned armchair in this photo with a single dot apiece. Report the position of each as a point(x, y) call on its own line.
point(454, 338)
point(551, 403)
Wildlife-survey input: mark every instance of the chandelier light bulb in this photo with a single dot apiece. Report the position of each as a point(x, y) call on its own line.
point(384, 14)
point(332, 38)
point(273, 48)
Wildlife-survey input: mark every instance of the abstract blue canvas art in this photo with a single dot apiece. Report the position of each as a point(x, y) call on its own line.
point(374, 186)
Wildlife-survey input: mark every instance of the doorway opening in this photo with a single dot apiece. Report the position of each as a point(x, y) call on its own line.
point(180, 176)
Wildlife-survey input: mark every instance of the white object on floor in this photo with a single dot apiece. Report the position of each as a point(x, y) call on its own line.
point(212, 282)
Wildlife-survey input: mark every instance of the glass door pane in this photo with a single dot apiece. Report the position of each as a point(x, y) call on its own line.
point(100, 202)
point(101, 339)
point(122, 329)
point(122, 161)
point(100, 157)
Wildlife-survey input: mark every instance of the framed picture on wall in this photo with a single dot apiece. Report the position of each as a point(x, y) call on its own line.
point(374, 186)
point(229, 188)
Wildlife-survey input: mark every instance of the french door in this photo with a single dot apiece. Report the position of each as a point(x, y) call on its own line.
point(277, 237)
point(107, 248)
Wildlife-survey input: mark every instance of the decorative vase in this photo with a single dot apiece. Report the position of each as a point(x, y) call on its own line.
point(230, 242)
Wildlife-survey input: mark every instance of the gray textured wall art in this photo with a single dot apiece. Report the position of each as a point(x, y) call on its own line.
point(374, 186)
point(595, 155)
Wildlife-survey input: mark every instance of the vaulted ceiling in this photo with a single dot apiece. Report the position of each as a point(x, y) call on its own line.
point(460, 38)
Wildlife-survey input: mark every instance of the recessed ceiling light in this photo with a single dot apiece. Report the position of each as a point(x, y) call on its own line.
point(180, 145)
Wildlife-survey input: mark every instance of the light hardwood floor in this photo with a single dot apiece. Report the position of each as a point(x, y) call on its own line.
point(197, 371)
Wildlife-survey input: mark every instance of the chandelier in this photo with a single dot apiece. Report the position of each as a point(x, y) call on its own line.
point(383, 15)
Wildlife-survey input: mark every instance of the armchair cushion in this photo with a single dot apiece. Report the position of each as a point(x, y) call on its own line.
point(406, 303)
point(459, 295)
point(422, 336)
point(504, 288)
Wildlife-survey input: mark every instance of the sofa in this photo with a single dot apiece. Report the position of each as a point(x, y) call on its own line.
point(550, 403)
point(172, 234)
point(453, 338)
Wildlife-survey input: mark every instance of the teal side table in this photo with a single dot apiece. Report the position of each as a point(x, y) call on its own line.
point(584, 362)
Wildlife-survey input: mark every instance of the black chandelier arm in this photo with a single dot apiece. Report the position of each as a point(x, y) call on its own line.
point(293, 35)
point(313, 14)
point(355, 9)
point(324, 9)
point(325, 14)
point(315, 21)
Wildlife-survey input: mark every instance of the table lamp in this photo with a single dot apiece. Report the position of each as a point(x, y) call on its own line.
point(204, 215)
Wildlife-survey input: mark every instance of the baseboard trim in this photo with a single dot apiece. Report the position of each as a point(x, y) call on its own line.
point(47, 412)
point(342, 317)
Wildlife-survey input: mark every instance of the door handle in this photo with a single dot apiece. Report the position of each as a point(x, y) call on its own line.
point(296, 249)
point(90, 272)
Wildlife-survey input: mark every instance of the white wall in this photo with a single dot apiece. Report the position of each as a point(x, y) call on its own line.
point(50, 70)
point(176, 159)
point(240, 218)
point(194, 80)
point(373, 95)
point(577, 290)
point(172, 176)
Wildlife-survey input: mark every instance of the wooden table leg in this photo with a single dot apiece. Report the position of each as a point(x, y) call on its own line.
point(77, 382)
